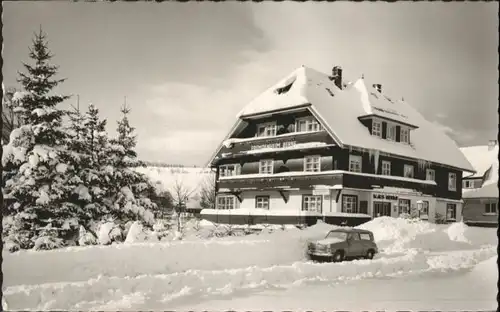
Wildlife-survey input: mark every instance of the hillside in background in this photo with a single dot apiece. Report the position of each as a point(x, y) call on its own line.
point(175, 179)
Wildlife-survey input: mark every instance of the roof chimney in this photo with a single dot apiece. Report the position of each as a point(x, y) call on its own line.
point(378, 87)
point(337, 76)
point(492, 144)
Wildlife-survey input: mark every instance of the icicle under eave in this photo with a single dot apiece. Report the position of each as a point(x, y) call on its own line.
point(376, 156)
point(423, 164)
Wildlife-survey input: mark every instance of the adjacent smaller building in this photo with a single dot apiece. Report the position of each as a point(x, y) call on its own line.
point(480, 190)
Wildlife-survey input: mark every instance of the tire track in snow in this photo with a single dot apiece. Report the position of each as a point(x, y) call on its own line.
point(158, 291)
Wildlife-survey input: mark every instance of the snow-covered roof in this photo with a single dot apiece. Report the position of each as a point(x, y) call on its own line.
point(481, 158)
point(339, 111)
point(487, 191)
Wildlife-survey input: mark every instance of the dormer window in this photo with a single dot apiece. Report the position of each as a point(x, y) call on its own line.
point(391, 132)
point(266, 130)
point(405, 135)
point(307, 125)
point(377, 128)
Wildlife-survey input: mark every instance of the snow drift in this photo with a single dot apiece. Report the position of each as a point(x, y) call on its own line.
point(158, 275)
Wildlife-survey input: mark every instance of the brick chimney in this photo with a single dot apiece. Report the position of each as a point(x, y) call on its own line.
point(336, 76)
point(492, 144)
point(378, 87)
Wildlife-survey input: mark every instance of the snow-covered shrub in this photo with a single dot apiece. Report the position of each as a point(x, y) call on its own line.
point(48, 242)
point(161, 228)
point(440, 218)
point(86, 238)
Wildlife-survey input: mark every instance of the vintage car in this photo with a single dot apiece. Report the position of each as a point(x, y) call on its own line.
point(340, 244)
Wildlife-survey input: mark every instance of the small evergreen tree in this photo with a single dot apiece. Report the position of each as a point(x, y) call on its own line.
point(129, 192)
point(37, 166)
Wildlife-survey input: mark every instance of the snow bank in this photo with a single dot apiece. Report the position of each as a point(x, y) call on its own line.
point(109, 232)
point(392, 234)
point(395, 235)
point(456, 232)
point(154, 275)
point(135, 233)
point(486, 271)
point(163, 289)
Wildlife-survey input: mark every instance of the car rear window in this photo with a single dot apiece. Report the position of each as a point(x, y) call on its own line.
point(365, 236)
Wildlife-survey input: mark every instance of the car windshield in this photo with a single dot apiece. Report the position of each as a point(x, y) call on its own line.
point(339, 235)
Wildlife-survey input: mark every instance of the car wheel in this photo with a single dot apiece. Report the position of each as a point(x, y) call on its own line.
point(370, 254)
point(338, 256)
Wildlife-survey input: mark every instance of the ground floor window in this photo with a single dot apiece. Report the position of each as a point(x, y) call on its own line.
point(311, 203)
point(225, 202)
point(262, 202)
point(491, 208)
point(451, 211)
point(350, 203)
point(425, 208)
point(381, 209)
point(404, 206)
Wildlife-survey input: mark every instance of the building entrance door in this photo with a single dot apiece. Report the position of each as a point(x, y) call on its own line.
point(381, 209)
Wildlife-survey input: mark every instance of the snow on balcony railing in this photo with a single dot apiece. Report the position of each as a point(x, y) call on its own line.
point(299, 146)
point(328, 172)
point(228, 142)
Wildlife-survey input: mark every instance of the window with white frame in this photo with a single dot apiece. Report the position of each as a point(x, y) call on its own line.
point(308, 124)
point(312, 163)
point(311, 203)
point(491, 208)
point(377, 128)
point(386, 167)
point(355, 162)
point(266, 129)
point(408, 171)
point(225, 202)
point(430, 175)
point(404, 206)
point(451, 211)
point(391, 132)
point(452, 181)
point(266, 166)
point(350, 203)
point(262, 202)
point(404, 135)
point(229, 170)
point(468, 184)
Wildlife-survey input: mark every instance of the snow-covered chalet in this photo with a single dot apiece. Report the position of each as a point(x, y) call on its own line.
point(316, 146)
point(480, 189)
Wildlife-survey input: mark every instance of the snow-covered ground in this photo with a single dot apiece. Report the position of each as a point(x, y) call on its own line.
point(421, 265)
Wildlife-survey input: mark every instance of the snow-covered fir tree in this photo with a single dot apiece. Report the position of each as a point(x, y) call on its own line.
point(129, 191)
point(89, 140)
point(37, 171)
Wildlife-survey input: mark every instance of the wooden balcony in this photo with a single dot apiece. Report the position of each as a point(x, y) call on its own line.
point(289, 142)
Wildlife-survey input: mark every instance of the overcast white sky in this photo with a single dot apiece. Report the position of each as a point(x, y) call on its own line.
point(188, 68)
